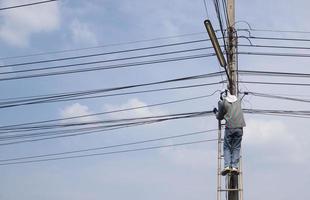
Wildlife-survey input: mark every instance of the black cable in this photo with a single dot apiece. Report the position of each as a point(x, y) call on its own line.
point(224, 4)
point(110, 112)
point(274, 73)
point(206, 8)
point(102, 61)
point(278, 97)
point(108, 67)
point(283, 113)
point(275, 54)
point(99, 122)
point(111, 152)
point(275, 83)
point(111, 53)
point(100, 46)
point(217, 10)
point(276, 31)
point(278, 38)
point(81, 95)
point(274, 46)
point(108, 147)
point(25, 5)
point(72, 133)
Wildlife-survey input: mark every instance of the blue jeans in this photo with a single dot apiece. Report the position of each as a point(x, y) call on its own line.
point(232, 146)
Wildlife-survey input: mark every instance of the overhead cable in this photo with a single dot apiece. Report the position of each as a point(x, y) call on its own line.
point(113, 52)
point(108, 67)
point(108, 147)
point(26, 5)
point(110, 153)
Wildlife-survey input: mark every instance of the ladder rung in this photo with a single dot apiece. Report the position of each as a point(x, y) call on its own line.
point(230, 174)
point(225, 190)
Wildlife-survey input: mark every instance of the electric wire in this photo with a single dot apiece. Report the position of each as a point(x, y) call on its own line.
point(109, 67)
point(274, 73)
point(101, 46)
point(111, 152)
point(91, 130)
point(302, 55)
point(88, 94)
point(278, 38)
point(100, 122)
point(80, 95)
point(276, 31)
point(113, 52)
point(206, 8)
point(275, 83)
point(275, 46)
point(110, 146)
point(26, 5)
point(113, 111)
point(278, 97)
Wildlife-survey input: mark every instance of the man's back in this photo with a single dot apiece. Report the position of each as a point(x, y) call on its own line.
point(232, 113)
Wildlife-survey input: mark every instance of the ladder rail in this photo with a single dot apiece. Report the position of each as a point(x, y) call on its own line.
point(235, 193)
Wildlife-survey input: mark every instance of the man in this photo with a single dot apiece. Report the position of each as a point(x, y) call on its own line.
point(230, 110)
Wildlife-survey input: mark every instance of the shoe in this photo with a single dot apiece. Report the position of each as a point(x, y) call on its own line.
point(235, 171)
point(225, 171)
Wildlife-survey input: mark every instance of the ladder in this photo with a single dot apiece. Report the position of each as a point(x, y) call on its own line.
point(229, 187)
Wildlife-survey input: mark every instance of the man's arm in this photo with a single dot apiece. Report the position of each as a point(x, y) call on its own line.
point(221, 111)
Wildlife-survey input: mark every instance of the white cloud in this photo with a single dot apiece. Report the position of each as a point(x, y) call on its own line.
point(262, 132)
point(82, 34)
point(272, 142)
point(132, 103)
point(75, 110)
point(18, 25)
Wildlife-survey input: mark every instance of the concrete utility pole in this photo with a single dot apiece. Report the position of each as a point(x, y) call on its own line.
point(233, 85)
point(232, 43)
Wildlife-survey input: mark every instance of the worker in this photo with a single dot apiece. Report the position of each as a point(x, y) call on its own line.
point(229, 108)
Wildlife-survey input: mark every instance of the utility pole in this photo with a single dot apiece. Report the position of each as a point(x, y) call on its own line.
point(231, 48)
point(233, 182)
point(233, 188)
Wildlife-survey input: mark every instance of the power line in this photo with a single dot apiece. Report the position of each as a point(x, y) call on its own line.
point(108, 147)
point(85, 131)
point(206, 8)
point(102, 46)
point(100, 61)
point(274, 46)
point(113, 111)
point(275, 83)
point(114, 52)
point(275, 31)
point(283, 113)
point(274, 73)
point(111, 125)
point(111, 152)
point(88, 94)
point(12, 129)
point(26, 5)
point(278, 38)
point(278, 97)
point(275, 54)
point(109, 67)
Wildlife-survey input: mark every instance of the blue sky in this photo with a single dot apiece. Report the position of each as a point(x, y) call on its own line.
point(276, 149)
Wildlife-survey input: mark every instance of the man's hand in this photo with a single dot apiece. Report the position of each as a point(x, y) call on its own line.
point(215, 110)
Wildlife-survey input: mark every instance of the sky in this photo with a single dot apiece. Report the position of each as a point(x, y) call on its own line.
point(275, 153)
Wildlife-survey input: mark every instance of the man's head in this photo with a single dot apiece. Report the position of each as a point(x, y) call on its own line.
point(231, 98)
